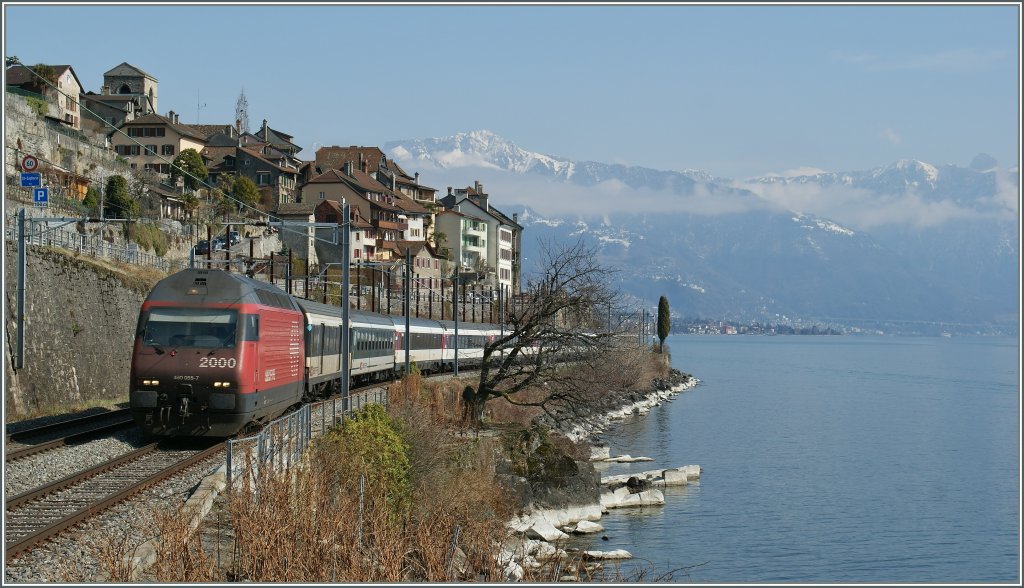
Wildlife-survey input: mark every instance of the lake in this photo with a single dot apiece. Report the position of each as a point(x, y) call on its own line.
point(831, 459)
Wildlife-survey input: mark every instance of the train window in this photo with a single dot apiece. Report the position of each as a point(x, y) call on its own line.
point(250, 324)
point(190, 327)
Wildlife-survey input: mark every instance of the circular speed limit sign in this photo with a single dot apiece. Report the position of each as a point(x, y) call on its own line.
point(29, 163)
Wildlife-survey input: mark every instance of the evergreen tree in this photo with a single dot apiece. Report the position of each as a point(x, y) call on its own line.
point(189, 164)
point(118, 203)
point(664, 321)
point(246, 191)
point(92, 200)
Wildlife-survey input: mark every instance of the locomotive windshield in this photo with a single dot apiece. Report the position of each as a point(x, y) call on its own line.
point(190, 327)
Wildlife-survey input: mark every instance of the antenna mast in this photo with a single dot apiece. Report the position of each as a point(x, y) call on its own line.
point(198, 106)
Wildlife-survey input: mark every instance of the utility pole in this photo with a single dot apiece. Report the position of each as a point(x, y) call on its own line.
point(455, 311)
point(408, 297)
point(346, 363)
point(19, 352)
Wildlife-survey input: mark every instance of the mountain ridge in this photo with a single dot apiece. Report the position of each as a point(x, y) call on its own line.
point(940, 248)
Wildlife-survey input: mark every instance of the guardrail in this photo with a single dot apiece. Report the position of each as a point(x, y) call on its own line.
point(91, 245)
point(282, 442)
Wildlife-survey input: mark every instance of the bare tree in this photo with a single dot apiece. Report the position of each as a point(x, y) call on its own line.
point(554, 335)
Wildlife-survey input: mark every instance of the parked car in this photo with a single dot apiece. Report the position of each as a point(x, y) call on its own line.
point(218, 243)
point(234, 238)
point(202, 247)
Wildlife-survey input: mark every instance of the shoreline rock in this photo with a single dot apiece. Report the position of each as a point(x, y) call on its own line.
point(545, 525)
point(620, 406)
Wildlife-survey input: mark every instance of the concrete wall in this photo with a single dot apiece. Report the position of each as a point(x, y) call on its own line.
point(80, 326)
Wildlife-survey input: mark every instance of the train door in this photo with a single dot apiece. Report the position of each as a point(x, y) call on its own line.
point(323, 335)
point(399, 348)
point(251, 347)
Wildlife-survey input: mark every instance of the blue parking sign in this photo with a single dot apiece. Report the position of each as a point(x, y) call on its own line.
point(41, 196)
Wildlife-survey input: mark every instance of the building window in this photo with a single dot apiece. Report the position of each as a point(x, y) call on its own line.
point(150, 149)
point(262, 178)
point(322, 195)
point(167, 150)
point(356, 253)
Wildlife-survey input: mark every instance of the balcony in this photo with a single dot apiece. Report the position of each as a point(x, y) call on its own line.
point(394, 226)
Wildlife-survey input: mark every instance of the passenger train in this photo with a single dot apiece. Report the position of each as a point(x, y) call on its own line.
point(217, 352)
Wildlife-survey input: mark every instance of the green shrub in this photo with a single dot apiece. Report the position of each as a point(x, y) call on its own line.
point(38, 105)
point(149, 237)
point(372, 443)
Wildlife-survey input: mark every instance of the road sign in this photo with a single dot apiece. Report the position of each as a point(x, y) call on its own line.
point(30, 180)
point(41, 196)
point(29, 163)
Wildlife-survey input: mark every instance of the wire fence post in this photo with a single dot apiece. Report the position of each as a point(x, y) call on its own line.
point(359, 536)
point(451, 552)
point(229, 464)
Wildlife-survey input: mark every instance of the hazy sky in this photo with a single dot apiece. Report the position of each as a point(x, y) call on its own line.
point(734, 90)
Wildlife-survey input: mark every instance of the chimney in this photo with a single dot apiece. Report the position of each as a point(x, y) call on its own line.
point(170, 115)
point(362, 164)
point(348, 168)
point(417, 178)
point(515, 217)
point(483, 202)
point(449, 190)
point(264, 129)
point(104, 90)
point(478, 187)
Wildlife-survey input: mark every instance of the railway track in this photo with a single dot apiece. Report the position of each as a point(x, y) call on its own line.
point(70, 432)
point(35, 516)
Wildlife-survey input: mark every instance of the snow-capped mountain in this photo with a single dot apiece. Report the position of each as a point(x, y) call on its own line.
point(485, 149)
point(758, 258)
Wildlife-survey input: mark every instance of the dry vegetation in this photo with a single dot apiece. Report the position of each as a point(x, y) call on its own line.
point(422, 488)
point(431, 510)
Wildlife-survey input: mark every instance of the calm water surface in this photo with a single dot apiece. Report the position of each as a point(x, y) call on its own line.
point(832, 459)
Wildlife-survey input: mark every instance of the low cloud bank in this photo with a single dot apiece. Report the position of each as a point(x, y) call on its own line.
point(853, 207)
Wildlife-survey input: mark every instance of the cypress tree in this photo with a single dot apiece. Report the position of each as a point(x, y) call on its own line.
point(664, 322)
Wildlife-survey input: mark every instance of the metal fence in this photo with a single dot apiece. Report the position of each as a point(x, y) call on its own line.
point(282, 442)
point(92, 245)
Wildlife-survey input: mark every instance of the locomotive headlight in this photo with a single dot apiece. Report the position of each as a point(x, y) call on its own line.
point(150, 382)
point(222, 384)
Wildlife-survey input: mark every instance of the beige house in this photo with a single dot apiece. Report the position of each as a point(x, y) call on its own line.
point(63, 101)
point(151, 142)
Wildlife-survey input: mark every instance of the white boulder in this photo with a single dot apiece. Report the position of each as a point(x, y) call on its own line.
point(544, 530)
point(584, 527)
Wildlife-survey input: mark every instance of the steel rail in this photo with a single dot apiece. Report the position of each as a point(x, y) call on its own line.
point(21, 453)
point(24, 497)
point(21, 542)
point(54, 427)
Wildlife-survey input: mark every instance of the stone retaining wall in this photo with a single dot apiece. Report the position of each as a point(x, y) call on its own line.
point(80, 327)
